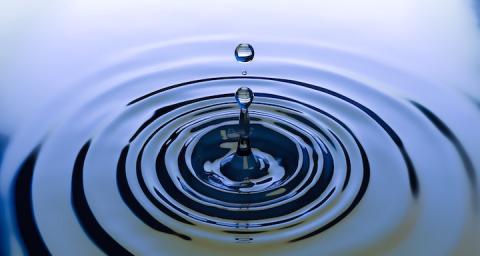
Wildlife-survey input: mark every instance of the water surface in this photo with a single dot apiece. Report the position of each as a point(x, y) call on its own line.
point(113, 135)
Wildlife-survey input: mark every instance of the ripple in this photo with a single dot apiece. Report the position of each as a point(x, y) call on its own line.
point(141, 157)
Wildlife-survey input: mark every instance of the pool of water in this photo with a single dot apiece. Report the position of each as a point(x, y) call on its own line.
point(114, 130)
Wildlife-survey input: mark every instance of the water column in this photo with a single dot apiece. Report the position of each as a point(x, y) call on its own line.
point(244, 164)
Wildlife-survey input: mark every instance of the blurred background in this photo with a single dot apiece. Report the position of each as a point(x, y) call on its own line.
point(47, 45)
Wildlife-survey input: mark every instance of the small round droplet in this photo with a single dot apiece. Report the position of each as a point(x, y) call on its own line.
point(244, 72)
point(244, 97)
point(244, 53)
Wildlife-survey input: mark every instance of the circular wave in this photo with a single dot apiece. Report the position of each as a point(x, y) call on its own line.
point(132, 169)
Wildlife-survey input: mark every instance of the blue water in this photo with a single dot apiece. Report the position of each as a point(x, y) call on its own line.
point(116, 118)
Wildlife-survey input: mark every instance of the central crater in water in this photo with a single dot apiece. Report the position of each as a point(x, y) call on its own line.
point(222, 144)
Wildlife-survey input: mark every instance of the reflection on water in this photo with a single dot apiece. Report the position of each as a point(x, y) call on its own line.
point(369, 130)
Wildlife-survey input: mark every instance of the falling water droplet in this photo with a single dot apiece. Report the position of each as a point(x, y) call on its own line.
point(244, 73)
point(244, 53)
point(244, 97)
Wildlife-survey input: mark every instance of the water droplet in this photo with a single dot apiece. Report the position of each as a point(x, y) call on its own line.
point(244, 53)
point(244, 97)
point(244, 72)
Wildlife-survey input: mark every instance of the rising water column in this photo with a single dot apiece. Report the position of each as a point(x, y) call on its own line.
point(244, 164)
